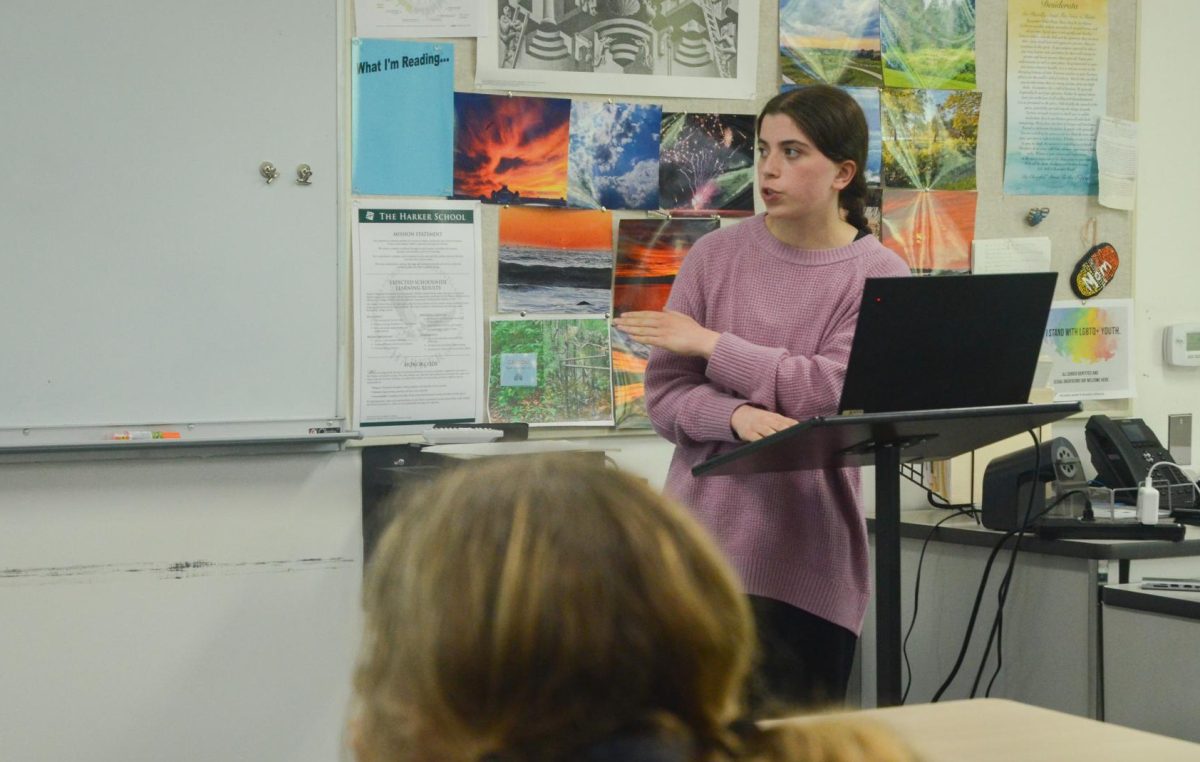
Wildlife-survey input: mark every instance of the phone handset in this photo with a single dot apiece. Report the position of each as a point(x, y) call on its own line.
point(1124, 453)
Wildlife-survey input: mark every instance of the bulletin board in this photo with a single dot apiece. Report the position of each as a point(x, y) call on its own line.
point(1003, 216)
point(1069, 224)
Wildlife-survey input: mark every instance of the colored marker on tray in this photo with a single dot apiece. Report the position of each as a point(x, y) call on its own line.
point(137, 436)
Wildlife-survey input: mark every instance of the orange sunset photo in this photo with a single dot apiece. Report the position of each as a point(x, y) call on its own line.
point(931, 230)
point(511, 150)
point(649, 253)
point(555, 260)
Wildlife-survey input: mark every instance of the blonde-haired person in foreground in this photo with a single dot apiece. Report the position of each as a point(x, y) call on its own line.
point(544, 609)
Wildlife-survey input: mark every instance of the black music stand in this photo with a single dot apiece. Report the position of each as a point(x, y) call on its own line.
point(883, 440)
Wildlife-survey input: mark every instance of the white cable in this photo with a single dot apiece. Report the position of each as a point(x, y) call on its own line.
point(1161, 463)
point(1149, 483)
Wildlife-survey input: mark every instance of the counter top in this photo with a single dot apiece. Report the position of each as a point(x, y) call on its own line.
point(987, 730)
point(916, 524)
point(1133, 596)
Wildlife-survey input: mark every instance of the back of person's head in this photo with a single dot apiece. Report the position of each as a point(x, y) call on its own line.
point(837, 127)
point(523, 608)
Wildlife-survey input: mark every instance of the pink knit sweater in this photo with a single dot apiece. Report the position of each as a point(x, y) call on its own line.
point(786, 318)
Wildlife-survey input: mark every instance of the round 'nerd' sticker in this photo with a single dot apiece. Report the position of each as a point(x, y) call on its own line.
point(1095, 271)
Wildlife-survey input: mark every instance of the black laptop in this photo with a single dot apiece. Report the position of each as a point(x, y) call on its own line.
point(954, 341)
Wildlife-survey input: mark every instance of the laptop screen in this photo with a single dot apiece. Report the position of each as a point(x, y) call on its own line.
point(944, 342)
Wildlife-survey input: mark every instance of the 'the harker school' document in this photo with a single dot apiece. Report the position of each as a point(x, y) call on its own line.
point(418, 329)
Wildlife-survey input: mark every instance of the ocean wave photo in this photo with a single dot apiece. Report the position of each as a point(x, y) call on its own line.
point(535, 279)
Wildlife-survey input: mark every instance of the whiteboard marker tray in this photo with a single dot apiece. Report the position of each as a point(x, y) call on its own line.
point(528, 447)
point(450, 435)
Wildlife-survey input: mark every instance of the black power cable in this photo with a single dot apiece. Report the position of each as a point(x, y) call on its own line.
point(1002, 597)
point(962, 652)
point(1002, 588)
point(937, 501)
point(994, 636)
point(987, 570)
point(959, 511)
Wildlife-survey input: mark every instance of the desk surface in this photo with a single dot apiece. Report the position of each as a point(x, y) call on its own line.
point(987, 730)
point(1171, 603)
point(964, 531)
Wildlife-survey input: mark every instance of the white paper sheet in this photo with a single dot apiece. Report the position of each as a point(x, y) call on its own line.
point(418, 328)
point(1010, 255)
point(417, 18)
point(1116, 157)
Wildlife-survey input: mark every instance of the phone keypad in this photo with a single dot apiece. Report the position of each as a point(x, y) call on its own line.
point(1177, 490)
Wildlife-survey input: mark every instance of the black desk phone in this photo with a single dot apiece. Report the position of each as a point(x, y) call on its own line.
point(1122, 452)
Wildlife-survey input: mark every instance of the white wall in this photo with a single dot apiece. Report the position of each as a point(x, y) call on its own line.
point(647, 456)
point(1167, 274)
point(188, 609)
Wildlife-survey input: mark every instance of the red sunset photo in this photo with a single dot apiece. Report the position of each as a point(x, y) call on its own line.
point(649, 253)
point(511, 150)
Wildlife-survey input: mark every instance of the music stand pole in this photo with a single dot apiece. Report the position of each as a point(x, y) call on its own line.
point(887, 575)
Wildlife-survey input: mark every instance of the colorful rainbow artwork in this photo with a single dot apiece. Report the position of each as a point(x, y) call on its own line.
point(1083, 335)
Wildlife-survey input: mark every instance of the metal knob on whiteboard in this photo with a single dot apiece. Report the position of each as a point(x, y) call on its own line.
point(267, 170)
point(304, 175)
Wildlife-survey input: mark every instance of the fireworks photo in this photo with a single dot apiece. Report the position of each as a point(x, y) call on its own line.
point(511, 150)
point(707, 163)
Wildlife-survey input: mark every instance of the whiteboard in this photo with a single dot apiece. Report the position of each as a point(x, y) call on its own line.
point(151, 275)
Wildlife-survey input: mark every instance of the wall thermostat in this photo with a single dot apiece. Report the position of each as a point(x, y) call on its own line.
point(1181, 344)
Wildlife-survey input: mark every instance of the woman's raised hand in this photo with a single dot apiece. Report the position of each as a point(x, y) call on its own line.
point(669, 330)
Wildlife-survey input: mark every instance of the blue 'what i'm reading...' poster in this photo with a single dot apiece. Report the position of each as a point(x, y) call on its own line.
point(403, 118)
